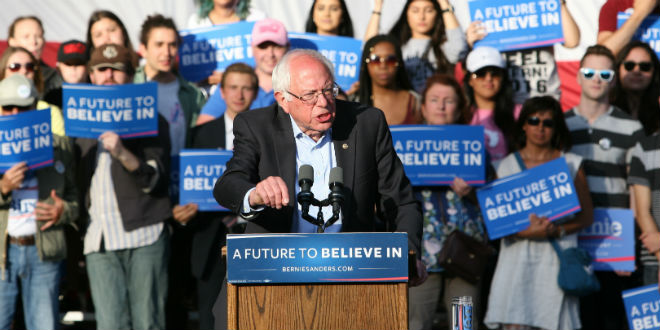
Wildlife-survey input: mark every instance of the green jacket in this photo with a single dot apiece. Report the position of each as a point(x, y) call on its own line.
point(191, 98)
point(50, 243)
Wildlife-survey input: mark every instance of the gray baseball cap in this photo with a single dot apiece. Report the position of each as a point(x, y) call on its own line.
point(18, 90)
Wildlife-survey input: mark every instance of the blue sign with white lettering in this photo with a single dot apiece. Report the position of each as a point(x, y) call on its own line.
point(26, 137)
point(436, 154)
point(199, 169)
point(546, 190)
point(643, 307)
point(315, 258)
point(648, 31)
point(515, 24)
point(343, 52)
point(204, 50)
point(130, 110)
point(610, 240)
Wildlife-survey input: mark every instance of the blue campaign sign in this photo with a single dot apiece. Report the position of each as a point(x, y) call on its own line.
point(26, 137)
point(610, 240)
point(648, 31)
point(206, 49)
point(546, 190)
point(515, 24)
point(343, 52)
point(642, 307)
point(199, 169)
point(130, 110)
point(315, 258)
point(434, 155)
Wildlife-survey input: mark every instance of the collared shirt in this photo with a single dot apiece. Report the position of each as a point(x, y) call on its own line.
point(321, 156)
point(105, 219)
point(229, 132)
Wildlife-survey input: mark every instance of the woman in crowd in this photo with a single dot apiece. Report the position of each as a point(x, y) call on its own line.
point(18, 60)
point(490, 99)
point(104, 27)
point(638, 83)
point(524, 291)
point(329, 17)
point(444, 209)
point(431, 38)
point(384, 83)
point(28, 32)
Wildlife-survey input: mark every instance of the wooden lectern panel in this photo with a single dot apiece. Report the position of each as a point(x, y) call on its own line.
point(318, 306)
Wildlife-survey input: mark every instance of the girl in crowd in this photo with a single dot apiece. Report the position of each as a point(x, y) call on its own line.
point(18, 60)
point(444, 209)
point(524, 291)
point(638, 83)
point(329, 17)
point(384, 83)
point(430, 37)
point(28, 32)
point(490, 99)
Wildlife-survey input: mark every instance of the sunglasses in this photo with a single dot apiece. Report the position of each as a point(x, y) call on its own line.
point(14, 67)
point(389, 60)
point(643, 66)
point(495, 72)
point(535, 121)
point(605, 75)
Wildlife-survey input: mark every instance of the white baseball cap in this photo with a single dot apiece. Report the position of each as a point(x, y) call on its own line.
point(484, 56)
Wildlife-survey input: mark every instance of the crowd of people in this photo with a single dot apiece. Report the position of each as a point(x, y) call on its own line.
point(108, 203)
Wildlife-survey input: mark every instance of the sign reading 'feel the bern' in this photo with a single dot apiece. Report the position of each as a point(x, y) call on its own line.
point(546, 190)
point(516, 24)
point(199, 169)
point(316, 258)
point(435, 155)
point(130, 110)
point(610, 240)
point(26, 137)
point(643, 307)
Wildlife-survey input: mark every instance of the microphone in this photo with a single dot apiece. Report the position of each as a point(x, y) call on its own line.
point(305, 181)
point(336, 197)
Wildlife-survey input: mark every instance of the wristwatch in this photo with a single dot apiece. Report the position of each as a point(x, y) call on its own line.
point(562, 231)
point(449, 9)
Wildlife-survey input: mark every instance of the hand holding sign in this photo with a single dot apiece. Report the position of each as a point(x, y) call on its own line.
point(49, 212)
point(112, 143)
point(13, 178)
point(538, 228)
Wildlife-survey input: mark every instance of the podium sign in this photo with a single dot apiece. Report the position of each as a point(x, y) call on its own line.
point(317, 258)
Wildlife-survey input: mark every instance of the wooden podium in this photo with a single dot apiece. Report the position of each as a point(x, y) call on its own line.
point(340, 305)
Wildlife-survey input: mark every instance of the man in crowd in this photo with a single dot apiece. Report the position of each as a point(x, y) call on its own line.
point(269, 43)
point(604, 135)
point(309, 126)
point(125, 187)
point(35, 206)
point(238, 88)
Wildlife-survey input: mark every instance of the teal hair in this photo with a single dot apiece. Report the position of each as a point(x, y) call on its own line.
point(242, 8)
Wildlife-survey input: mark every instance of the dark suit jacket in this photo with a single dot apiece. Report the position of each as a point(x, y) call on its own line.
point(264, 146)
point(209, 232)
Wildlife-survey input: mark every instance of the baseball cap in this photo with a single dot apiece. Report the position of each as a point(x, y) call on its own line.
point(72, 52)
point(110, 56)
point(18, 90)
point(482, 57)
point(269, 29)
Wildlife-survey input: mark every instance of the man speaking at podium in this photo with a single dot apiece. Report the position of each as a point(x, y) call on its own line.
point(307, 126)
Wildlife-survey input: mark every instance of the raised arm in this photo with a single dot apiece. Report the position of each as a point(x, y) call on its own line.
point(569, 27)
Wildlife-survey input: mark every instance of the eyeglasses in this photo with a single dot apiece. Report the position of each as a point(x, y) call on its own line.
point(643, 66)
point(535, 121)
point(389, 60)
point(14, 67)
point(494, 71)
point(311, 97)
point(605, 75)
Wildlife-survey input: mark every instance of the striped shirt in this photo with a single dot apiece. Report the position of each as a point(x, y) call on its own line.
point(105, 219)
point(645, 171)
point(606, 146)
